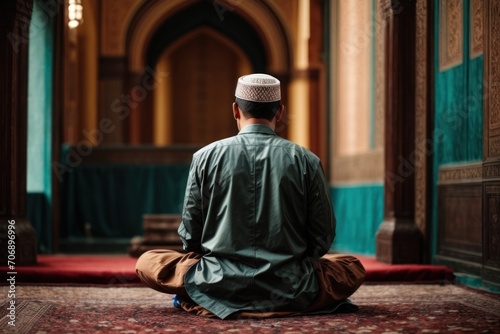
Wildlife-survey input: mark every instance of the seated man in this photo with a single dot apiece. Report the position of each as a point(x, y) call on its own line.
point(256, 225)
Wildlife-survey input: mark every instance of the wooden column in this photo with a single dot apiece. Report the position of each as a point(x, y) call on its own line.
point(318, 125)
point(491, 145)
point(113, 99)
point(15, 16)
point(424, 121)
point(399, 239)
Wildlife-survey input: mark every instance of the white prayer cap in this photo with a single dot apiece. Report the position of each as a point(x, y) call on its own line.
point(258, 87)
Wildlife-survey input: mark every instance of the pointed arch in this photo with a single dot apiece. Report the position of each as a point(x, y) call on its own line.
point(264, 19)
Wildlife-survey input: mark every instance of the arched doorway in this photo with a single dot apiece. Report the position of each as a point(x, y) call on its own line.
point(193, 104)
point(200, 55)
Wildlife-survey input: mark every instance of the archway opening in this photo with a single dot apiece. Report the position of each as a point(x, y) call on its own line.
point(203, 56)
point(192, 105)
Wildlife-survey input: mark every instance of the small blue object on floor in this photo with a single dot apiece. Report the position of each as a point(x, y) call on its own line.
point(176, 302)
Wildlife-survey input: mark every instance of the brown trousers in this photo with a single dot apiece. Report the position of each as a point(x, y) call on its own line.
point(339, 276)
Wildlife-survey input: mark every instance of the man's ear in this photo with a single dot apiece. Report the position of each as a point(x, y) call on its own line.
point(236, 111)
point(279, 114)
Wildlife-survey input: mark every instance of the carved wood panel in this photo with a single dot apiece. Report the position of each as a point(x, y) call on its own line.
point(476, 28)
point(451, 29)
point(491, 152)
point(460, 224)
point(491, 230)
point(492, 79)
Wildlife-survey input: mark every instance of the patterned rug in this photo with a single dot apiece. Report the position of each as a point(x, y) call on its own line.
point(383, 309)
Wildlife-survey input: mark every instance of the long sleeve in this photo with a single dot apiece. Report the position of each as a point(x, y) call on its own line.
point(258, 208)
point(191, 227)
point(321, 219)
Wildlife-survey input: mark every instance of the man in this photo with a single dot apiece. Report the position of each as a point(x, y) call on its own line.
point(256, 223)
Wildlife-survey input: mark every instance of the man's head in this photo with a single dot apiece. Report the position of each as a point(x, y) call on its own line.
point(258, 98)
point(253, 109)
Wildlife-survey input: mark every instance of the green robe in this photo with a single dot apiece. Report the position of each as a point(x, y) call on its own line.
point(258, 207)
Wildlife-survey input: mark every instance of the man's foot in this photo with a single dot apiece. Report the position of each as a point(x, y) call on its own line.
point(176, 301)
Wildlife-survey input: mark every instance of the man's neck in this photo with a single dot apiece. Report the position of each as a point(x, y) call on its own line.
point(253, 121)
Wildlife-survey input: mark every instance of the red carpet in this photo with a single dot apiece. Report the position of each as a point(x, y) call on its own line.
point(383, 308)
point(382, 272)
point(119, 270)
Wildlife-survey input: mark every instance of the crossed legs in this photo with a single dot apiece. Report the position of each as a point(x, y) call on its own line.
point(339, 276)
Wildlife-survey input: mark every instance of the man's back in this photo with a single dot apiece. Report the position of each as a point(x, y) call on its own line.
point(265, 212)
point(256, 223)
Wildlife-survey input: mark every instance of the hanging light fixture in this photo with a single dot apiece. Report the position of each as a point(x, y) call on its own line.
point(75, 13)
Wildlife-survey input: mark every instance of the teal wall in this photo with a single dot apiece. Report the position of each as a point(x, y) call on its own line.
point(458, 119)
point(359, 210)
point(38, 181)
point(112, 198)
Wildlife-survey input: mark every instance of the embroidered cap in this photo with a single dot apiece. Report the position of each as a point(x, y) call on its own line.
point(258, 88)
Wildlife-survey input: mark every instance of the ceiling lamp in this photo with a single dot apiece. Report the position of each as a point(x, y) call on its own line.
point(75, 13)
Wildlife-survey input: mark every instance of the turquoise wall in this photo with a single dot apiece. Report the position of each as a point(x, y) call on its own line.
point(359, 210)
point(458, 119)
point(38, 181)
